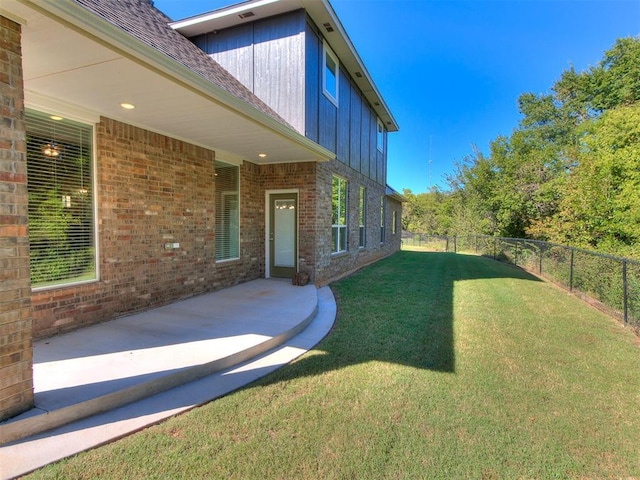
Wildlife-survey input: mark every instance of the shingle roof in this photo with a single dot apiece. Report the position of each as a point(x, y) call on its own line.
point(140, 19)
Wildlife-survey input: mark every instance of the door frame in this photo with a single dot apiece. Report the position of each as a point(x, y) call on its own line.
point(267, 226)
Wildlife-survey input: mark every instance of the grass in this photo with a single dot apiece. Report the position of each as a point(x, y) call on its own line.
point(439, 366)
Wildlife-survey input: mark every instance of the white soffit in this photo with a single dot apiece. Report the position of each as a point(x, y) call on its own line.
point(75, 68)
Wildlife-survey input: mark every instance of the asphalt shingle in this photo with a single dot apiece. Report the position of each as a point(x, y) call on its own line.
point(140, 19)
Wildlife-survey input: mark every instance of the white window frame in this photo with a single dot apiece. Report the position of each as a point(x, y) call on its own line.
point(380, 136)
point(45, 106)
point(225, 229)
point(394, 222)
point(327, 52)
point(340, 229)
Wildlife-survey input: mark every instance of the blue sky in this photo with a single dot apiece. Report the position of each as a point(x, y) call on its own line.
point(451, 71)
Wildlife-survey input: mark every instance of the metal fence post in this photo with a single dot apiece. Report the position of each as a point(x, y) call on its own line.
point(495, 255)
point(455, 244)
point(624, 290)
point(540, 259)
point(476, 240)
point(571, 273)
point(515, 256)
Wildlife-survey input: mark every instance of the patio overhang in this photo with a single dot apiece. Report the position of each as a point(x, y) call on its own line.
point(78, 65)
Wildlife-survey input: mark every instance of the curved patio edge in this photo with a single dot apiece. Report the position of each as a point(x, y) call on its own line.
point(37, 450)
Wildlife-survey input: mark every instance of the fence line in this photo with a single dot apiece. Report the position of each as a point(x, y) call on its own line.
point(606, 281)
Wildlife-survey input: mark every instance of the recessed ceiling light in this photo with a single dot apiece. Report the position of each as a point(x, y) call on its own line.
point(55, 117)
point(262, 155)
point(127, 106)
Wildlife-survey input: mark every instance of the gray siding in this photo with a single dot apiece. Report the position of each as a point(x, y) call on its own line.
point(268, 57)
point(313, 85)
point(355, 125)
point(344, 115)
point(350, 129)
point(280, 60)
point(233, 49)
point(279, 65)
point(365, 142)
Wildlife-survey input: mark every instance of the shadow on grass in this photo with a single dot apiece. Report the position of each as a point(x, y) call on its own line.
point(399, 310)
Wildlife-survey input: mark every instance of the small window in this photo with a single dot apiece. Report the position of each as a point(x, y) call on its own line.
point(330, 70)
point(61, 200)
point(339, 215)
point(394, 222)
point(380, 136)
point(227, 211)
point(383, 207)
point(363, 216)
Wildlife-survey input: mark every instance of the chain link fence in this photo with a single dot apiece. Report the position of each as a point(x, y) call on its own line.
point(609, 283)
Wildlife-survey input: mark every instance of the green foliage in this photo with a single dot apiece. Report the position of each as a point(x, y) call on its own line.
point(425, 212)
point(601, 206)
point(570, 172)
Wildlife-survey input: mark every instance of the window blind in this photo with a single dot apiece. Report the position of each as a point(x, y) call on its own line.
point(61, 209)
point(227, 211)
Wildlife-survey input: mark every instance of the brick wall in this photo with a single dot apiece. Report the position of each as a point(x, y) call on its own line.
point(152, 190)
point(329, 266)
point(16, 379)
point(300, 176)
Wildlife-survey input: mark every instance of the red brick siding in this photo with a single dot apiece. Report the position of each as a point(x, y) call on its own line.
point(152, 190)
point(16, 379)
point(330, 266)
point(301, 177)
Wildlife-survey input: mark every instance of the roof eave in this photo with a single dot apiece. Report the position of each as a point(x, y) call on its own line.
point(320, 11)
point(79, 18)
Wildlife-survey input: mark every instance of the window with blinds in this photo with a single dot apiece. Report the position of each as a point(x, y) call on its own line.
point(227, 211)
point(339, 215)
point(61, 200)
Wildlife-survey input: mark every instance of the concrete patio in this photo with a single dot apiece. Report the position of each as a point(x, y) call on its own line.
point(103, 382)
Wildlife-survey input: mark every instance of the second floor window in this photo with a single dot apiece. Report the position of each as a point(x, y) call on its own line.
point(380, 137)
point(330, 70)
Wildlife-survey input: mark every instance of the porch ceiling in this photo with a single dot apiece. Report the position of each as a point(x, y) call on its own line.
point(76, 68)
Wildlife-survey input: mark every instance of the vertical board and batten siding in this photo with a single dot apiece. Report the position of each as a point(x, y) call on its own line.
point(373, 152)
point(365, 142)
point(355, 126)
point(279, 65)
point(313, 83)
point(233, 49)
point(280, 60)
point(344, 113)
point(268, 57)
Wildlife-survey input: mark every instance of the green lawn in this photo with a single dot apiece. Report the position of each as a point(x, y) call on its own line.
point(439, 366)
